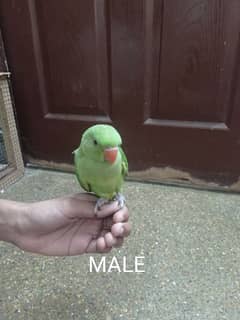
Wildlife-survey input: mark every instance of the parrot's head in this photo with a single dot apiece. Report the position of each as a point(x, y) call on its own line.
point(101, 142)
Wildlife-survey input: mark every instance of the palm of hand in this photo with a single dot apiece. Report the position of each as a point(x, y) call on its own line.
point(67, 226)
point(72, 238)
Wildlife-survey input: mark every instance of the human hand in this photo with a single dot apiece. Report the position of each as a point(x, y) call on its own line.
point(68, 226)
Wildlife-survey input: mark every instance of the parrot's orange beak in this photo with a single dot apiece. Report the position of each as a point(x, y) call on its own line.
point(110, 154)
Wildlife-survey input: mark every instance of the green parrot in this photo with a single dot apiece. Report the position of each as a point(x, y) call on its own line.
point(100, 164)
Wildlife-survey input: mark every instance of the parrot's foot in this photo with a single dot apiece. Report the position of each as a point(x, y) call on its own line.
point(100, 202)
point(120, 199)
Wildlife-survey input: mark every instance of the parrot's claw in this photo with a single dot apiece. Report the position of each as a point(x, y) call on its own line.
point(120, 199)
point(100, 202)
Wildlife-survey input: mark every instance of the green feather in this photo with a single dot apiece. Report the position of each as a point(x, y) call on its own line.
point(93, 172)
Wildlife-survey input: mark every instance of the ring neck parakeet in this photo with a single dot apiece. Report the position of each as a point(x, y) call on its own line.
point(100, 163)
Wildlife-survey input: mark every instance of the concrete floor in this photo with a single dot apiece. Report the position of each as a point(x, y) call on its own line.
point(190, 240)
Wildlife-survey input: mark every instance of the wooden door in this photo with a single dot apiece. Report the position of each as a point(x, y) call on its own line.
point(165, 73)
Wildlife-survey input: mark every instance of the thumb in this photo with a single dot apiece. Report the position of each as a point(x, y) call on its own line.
point(82, 206)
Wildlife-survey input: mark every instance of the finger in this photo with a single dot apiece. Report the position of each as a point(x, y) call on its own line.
point(121, 215)
point(85, 196)
point(105, 250)
point(82, 205)
point(108, 209)
point(78, 206)
point(117, 229)
point(102, 246)
point(127, 229)
point(121, 229)
point(110, 240)
point(94, 248)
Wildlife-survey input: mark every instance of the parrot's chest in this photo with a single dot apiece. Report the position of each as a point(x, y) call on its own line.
point(105, 180)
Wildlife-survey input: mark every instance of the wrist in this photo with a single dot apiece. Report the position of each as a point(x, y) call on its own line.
point(12, 214)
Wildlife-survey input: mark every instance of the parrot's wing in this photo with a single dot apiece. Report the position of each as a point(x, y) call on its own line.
point(124, 162)
point(84, 184)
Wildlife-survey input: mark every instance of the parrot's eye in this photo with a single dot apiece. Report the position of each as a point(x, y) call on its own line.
point(95, 142)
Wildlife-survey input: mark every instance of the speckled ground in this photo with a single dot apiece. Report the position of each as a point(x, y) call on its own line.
point(190, 240)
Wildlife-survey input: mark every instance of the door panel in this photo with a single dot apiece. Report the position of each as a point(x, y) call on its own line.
point(190, 63)
point(74, 77)
point(62, 75)
point(165, 73)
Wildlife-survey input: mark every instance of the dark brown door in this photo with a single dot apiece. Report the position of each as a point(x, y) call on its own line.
point(165, 73)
